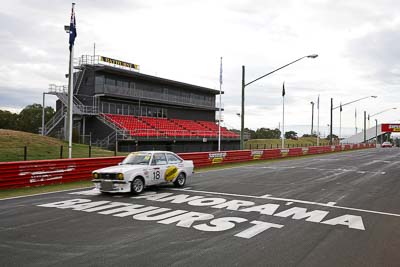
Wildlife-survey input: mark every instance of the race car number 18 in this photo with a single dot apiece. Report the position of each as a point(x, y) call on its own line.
point(156, 175)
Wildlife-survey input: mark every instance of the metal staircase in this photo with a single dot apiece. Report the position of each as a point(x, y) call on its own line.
point(79, 80)
point(54, 121)
point(78, 107)
point(117, 134)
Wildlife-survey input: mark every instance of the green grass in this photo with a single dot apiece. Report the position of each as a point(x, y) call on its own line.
point(274, 143)
point(42, 147)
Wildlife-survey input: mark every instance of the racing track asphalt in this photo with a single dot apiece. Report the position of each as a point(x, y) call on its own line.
point(364, 184)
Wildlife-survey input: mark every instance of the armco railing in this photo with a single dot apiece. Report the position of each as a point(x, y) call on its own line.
point(42, 172)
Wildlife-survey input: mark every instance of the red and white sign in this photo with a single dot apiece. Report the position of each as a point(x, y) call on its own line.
point(392, 127)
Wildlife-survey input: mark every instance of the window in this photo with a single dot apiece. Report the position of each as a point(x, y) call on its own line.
point(172, 159)
point(110, 81)
point(99, 79)
point(159, 159)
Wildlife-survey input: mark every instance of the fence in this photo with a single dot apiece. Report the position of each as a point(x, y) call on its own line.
point(42, 152)
point(42, 172)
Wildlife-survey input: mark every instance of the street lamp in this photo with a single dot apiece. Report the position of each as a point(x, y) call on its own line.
point(376, 132)
point(370, 116)
point(244, 84)
point(341, 106)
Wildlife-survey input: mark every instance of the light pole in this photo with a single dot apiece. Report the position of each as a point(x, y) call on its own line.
point(312, 117)
point(380, 112)
point(376, 132)
point(244, 84)
point(341, 106)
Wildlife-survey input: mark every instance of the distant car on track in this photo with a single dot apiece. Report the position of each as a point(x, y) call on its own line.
point(386, 144)
point(141, 169)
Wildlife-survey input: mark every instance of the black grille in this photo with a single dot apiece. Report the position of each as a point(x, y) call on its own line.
point(111, 176)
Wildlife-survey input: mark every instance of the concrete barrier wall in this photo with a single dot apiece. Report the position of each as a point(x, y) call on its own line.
point(43, 172)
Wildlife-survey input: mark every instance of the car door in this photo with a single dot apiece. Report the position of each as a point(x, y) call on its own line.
point(158, 168)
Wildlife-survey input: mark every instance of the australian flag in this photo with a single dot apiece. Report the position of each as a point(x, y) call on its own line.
point(72, 29)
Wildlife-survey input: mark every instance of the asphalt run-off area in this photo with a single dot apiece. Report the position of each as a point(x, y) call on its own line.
point(340, 209)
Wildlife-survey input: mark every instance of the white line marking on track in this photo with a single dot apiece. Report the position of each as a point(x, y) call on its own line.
point(291, 200)
point(264, 196)
point(331, 203)
point(33, 195)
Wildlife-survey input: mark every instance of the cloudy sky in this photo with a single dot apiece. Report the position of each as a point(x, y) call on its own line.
point(356, 40)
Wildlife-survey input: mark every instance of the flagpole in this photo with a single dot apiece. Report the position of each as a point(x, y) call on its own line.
point(70, 102)
point(283, 115)
point(355, 119)
point(220, 104)
point(340, 122)
point(318, 122)
point(70, 86)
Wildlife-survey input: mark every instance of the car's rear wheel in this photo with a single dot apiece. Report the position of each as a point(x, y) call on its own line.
point(180, 180)
point(137, 186)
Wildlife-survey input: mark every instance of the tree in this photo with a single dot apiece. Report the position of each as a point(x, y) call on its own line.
point(8, 120)
point(334, 137)
point(30, 118)
point(266, 133)
point(291, 135)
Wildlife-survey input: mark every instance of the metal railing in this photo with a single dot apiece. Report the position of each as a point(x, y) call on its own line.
point(54, 121)
point(186, 134)
point(148, 95)
point(61, 91)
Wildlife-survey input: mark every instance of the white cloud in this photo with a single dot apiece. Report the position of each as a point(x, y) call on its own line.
point(183, 40)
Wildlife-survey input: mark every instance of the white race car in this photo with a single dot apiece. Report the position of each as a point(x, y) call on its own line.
point(140, 169)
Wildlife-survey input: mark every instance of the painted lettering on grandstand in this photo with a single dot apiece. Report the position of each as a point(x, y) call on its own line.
point(217, 157)
point(119, 63)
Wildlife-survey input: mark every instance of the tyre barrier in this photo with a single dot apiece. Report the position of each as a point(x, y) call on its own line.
point(44, 172)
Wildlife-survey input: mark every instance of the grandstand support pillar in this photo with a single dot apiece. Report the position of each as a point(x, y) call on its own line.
point(365, 126)
point(84, 127)
point(242, 111)
point(43, 131)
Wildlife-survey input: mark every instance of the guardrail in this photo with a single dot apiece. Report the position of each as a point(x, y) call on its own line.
point(43, 172)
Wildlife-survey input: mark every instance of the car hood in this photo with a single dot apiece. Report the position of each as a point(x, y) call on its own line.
point(120, 168)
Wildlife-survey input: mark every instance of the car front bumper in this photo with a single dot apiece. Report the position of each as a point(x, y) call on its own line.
point(112, 186)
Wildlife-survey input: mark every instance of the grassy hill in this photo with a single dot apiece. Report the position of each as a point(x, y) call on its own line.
point(268, 143)
point(12, 145)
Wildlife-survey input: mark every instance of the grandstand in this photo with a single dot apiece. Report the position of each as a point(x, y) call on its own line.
point(115, 105)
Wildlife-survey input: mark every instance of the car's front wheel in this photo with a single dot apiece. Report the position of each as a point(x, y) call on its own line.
point(180, 180)
point(137, 186)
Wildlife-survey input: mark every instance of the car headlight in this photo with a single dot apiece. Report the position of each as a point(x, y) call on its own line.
point(120, 176)
point(95, 175)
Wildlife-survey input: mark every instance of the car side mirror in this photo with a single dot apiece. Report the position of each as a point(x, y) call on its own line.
point(120, 163)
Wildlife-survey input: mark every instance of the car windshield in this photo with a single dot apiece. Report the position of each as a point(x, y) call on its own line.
point(137, 159)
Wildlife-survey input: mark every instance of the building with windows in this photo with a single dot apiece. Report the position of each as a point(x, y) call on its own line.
point(116, 105)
